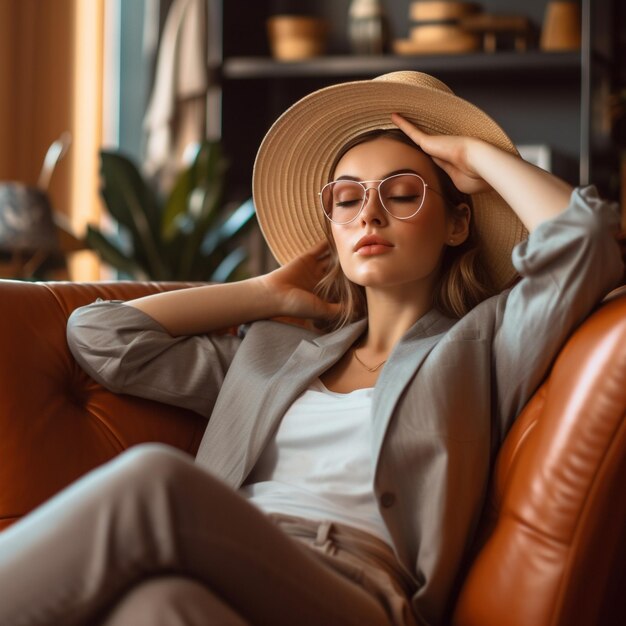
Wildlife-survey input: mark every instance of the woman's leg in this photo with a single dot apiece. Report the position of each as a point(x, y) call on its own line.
point(152, 511)
point(171, 601)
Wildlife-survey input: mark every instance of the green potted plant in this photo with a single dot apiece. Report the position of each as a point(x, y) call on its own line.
point(187, 235)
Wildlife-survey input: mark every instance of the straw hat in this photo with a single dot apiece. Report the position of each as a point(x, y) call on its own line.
point(295, 157)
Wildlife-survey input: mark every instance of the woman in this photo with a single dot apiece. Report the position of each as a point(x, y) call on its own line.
point(363, 452)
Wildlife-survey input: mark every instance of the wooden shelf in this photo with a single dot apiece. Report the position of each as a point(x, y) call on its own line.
point(535, 63)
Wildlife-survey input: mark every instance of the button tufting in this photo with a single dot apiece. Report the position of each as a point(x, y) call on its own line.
point(387, 499)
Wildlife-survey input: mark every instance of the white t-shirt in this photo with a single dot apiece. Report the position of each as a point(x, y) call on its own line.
point(319, 464)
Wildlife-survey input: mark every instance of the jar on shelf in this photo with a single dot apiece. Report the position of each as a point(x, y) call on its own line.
point(296, 37)
point(561, 26)
point(367, 27)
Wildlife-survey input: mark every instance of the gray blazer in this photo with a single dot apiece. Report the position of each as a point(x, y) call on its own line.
point(441, 407)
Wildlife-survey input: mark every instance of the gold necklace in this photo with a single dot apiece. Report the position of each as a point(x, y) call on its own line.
point(369, 369)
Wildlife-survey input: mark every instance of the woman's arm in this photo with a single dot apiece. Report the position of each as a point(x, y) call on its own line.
point(161, 347)
point(285, 291)
point(475, 165)
point(128, 352)
point(567, 264)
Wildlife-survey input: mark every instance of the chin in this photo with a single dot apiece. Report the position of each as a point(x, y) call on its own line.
point(389, 280)
point(377, 281)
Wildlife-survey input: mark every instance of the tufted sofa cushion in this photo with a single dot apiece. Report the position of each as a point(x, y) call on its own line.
point(56, 423)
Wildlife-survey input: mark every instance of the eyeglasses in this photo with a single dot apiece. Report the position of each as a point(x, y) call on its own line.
point(401, 195)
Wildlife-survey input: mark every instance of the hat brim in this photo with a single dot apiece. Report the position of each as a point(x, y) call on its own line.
point(295, 157)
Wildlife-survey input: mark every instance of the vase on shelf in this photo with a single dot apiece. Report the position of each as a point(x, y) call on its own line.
point(296, 37)
point(367, 27)
point(561, 29)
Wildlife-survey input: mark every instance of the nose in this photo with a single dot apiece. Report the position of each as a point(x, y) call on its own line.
point(372, 211)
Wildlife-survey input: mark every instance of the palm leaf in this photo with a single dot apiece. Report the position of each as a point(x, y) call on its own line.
point(200, 226)
point(235, 223)
point(176, 204)
point(168, 236)
point(110, 253)
point(208, 167)
point(132, 203)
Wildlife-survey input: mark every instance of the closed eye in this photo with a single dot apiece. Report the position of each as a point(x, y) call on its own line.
point(404, 198)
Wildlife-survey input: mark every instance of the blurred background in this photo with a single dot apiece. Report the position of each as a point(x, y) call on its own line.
point(128, 128)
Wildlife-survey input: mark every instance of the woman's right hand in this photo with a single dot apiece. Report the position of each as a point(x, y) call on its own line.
point(453, 154)
point(292, 285)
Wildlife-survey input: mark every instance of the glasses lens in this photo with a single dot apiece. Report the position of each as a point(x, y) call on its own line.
point(342, 200)
point(402, 195)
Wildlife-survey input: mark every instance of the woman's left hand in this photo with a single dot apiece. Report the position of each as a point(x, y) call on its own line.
point(453, 154)
point(475, 165)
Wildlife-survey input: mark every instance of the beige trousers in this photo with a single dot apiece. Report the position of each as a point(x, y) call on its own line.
point(152, 538)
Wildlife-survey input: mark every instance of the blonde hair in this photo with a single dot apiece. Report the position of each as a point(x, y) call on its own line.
point(463, 279)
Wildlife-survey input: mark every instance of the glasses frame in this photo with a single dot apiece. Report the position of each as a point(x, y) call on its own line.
point(380, 181)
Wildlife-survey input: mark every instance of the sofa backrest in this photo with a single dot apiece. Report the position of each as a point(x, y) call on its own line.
point(552, 550)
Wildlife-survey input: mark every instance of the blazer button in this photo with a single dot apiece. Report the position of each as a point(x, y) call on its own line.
point(387, 499)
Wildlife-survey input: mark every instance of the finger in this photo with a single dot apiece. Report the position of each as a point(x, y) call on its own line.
point(323, 255)
point(430, 144)
point(444, 165)
point(330, 310)
point(320, 250)
point(408, 128)
point(451, 170)
point(317, 248)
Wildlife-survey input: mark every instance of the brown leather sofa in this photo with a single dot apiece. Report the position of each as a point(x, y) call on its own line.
point(552, 548)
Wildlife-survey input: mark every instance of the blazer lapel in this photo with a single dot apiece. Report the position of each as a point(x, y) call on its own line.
point(404, 361)
point(221, 449)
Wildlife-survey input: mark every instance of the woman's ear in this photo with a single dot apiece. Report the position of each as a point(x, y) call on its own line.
point(458, 227)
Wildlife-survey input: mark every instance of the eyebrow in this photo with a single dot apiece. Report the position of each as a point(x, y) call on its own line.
point(402, 171)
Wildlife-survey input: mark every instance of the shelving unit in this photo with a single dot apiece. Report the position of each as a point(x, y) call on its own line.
point(549, 98)
point(540, 63)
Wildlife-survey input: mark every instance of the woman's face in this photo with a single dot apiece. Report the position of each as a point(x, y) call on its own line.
point(411, 249)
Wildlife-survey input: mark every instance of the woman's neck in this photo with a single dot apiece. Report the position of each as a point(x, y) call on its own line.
point(390, 314)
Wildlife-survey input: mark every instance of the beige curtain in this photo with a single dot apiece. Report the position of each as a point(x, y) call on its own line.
point(51, 82)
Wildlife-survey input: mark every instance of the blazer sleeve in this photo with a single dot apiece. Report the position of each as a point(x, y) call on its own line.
point(567, 264)
point(127, 351)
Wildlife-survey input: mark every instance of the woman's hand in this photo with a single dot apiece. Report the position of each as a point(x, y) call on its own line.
point(287, 291)
point(451, 153)
point(475, 165)
point(292, 285)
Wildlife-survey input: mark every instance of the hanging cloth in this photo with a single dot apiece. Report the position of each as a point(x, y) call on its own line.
point(176, 114)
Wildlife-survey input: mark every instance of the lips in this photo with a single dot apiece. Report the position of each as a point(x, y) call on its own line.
point(372, 241)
